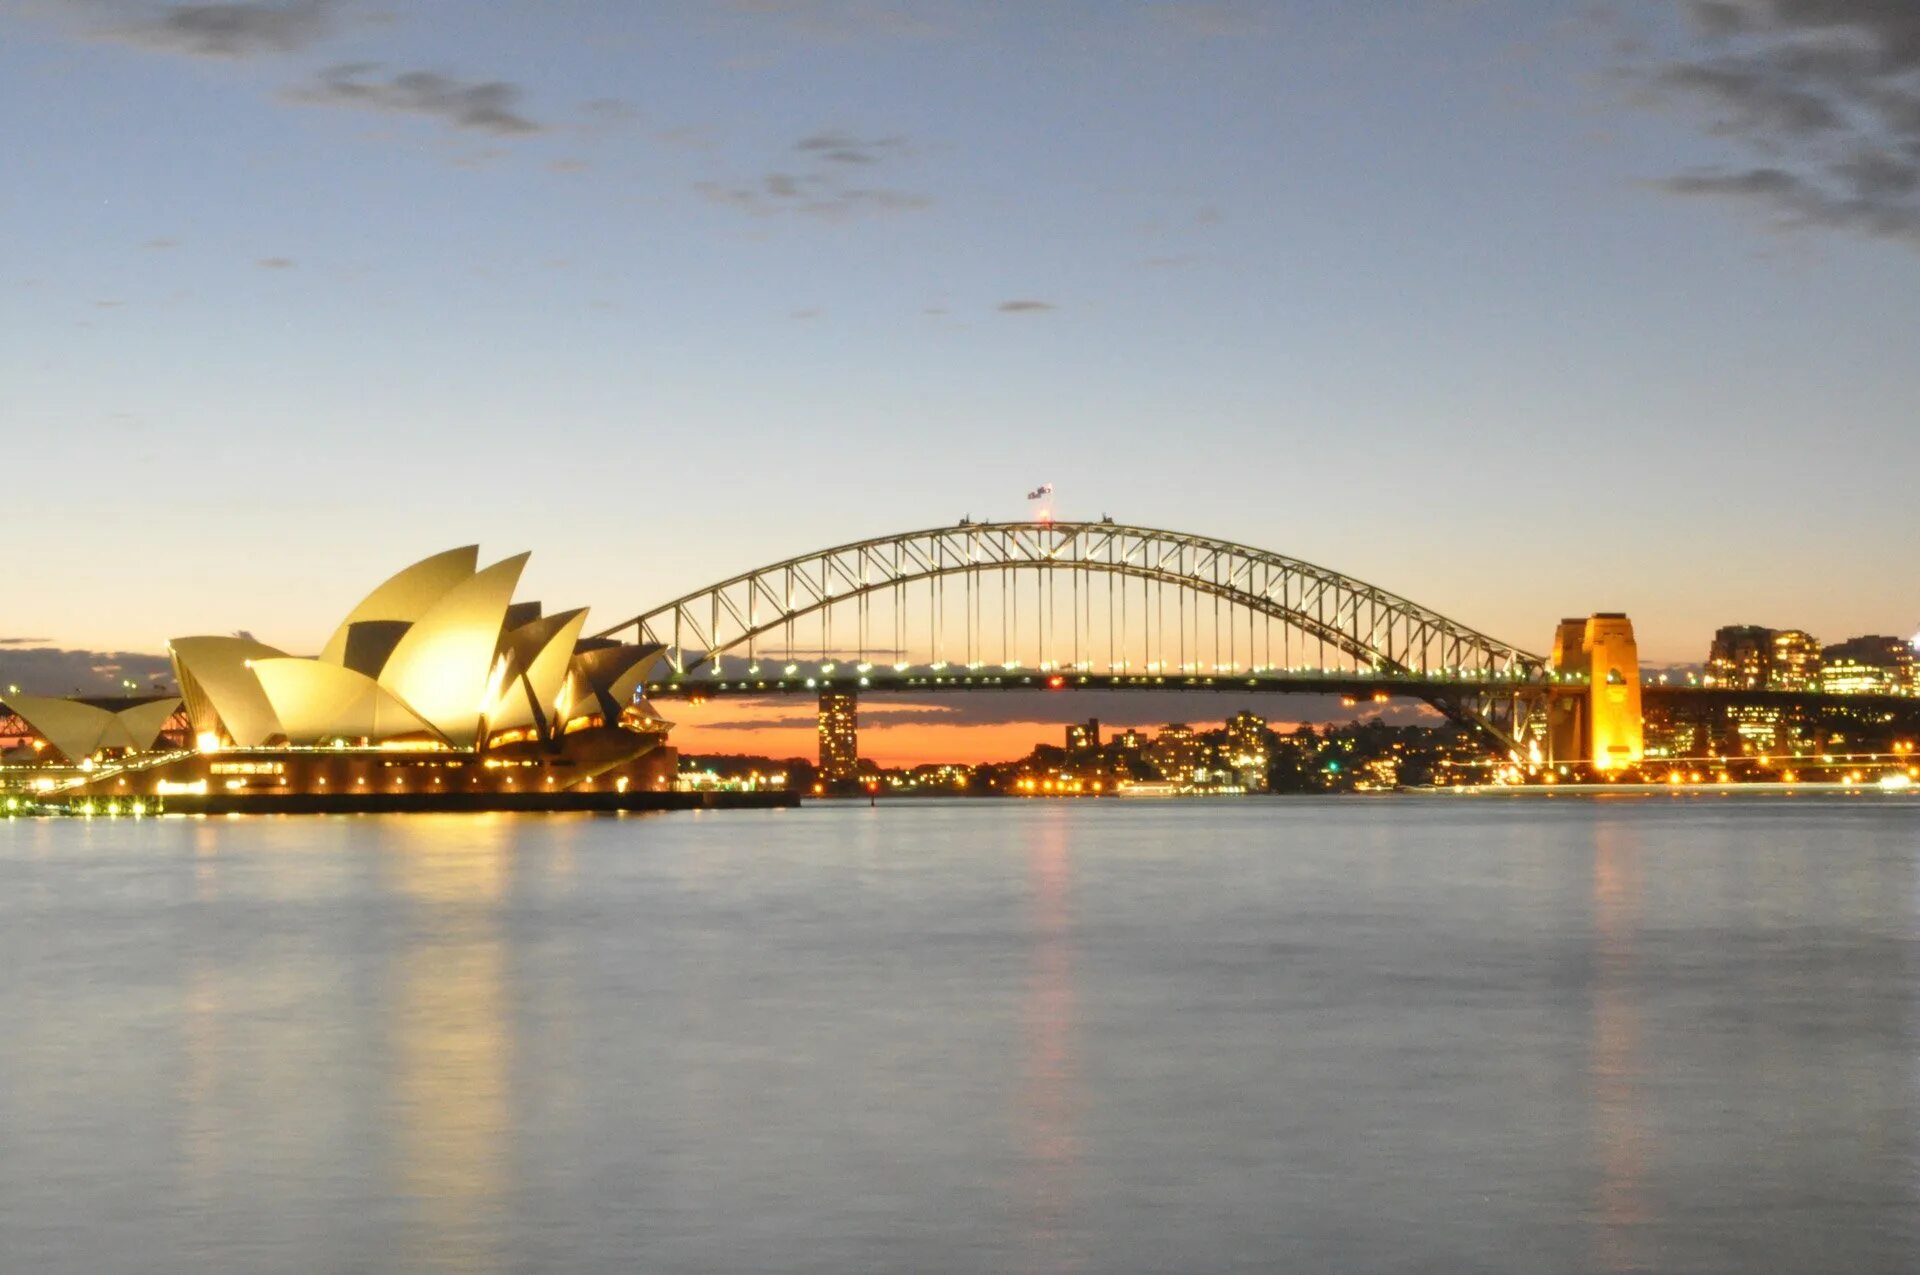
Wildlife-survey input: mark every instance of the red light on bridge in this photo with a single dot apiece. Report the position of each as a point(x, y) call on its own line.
point(1055, 682)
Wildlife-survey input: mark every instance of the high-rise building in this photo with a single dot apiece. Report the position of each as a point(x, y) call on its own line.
point(1741, 657)
point(1247, 749)
point(1083, 738)
point(1178, 753)
point(1130, 740)
point(1873, 665)
point(1796, 661)
point(839, 736)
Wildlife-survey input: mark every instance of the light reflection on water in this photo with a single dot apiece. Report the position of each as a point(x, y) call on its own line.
point(1354, 1035)
point(1620, 1133)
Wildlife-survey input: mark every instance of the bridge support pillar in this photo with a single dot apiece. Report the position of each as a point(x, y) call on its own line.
point(839, 737)
point(1594, 717)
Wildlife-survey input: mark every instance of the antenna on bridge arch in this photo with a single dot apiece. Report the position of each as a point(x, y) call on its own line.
point(1040, 503)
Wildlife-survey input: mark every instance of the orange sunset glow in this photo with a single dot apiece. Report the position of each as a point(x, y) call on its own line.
point(788, 728)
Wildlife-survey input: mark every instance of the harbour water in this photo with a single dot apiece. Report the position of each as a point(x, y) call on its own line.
point(1405, 1034)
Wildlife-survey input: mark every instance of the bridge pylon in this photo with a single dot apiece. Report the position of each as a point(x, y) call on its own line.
point(1593, 710)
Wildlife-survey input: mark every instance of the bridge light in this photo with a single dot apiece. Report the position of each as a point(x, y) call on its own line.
point(1055, 682)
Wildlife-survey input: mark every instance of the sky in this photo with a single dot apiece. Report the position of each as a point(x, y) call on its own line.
point(1519, 309)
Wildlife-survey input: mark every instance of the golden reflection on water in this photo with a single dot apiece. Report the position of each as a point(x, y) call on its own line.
point(1622, 1138)
point(204, 1043)
point(1050, 1094)
point(451, 1044)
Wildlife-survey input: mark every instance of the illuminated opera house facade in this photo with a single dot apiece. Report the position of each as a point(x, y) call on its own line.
point(437, 685)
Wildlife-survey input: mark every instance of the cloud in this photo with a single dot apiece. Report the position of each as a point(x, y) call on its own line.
point(228, 30)
point(20, 641)
point(47, 670)
point(819, 180)
point(812, 196)
point(844, 148)
point(1820, 100)
point(160, 245)
point(490, 106)
point(1024, 306)
point(275, 263)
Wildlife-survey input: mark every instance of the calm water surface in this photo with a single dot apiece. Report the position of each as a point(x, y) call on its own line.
point(1414, 1034)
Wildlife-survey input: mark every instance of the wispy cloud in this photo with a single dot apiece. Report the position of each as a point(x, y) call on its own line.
point(275, 263)
point(1821, 101)
point(781, 193)
point(845, 148)
point(227, 30)
point(485, 106)
point(821, 181)
point(1025, 306)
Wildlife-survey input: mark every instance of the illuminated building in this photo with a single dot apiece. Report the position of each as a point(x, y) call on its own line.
point(1749, 657)
point(1760, 728)
point(435, 684)
point(1178, 753)
point(1741, 657)
point(839, 737)
point(1130, 740)
point(1873, 665)
point(1670, 733)
point(1796, 661)
point(1247, 750)
point(1083, 738)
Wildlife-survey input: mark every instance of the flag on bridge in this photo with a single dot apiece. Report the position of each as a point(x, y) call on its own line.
point(1041, 492)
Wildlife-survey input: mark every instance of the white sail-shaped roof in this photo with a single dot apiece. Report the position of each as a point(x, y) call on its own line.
point(541, 650)
point(316, 701)
point(407, 595)
point(603, 680)
point(77, 730)
point(441, 667)
point(222, 692)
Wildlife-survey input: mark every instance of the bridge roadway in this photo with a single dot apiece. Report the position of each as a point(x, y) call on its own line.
point(881, 679)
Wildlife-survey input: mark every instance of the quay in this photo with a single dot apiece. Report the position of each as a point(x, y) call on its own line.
point(241, 803)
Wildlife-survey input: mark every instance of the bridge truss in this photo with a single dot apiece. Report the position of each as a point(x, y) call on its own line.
point(1081, 601)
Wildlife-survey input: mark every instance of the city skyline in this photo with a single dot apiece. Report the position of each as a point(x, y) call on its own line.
point(1515, 324)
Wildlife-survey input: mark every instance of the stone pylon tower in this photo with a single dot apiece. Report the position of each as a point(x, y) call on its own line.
point(1594, 716)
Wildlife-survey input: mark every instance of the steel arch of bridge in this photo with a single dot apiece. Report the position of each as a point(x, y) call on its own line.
point(1382, 631)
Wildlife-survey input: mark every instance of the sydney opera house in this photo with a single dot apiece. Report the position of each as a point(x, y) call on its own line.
point(438, 685)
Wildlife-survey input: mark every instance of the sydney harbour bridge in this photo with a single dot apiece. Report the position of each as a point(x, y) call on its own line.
point(438, 688)
point(1063, 605)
